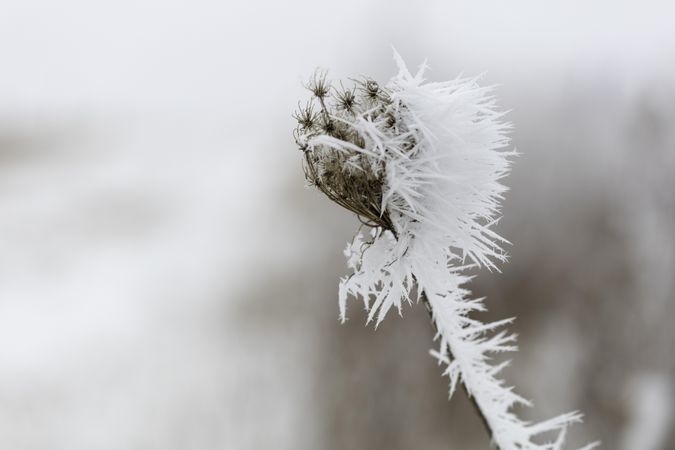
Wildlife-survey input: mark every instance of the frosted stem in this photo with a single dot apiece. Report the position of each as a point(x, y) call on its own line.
point(427, 306)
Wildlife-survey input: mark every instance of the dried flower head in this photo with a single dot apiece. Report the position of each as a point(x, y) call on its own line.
point(336, 159)
point(421, 163)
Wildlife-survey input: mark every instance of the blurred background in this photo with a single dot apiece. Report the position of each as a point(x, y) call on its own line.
point(167, 281)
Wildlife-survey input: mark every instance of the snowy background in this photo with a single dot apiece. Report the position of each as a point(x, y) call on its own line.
point(166, 281)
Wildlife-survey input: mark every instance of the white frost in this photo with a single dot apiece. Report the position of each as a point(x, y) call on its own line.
point(443, 197)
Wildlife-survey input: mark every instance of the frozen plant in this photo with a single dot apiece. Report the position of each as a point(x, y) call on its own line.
point(420, 164)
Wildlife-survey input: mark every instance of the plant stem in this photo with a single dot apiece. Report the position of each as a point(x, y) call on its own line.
point(472, 399)
point(427, 305)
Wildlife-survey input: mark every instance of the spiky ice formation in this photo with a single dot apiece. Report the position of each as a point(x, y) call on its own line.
point(421, 163)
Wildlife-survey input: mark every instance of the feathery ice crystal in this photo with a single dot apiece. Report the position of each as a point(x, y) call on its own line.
point(420, 163)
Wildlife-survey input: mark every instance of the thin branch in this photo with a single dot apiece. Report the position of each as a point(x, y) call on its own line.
point(427, 306)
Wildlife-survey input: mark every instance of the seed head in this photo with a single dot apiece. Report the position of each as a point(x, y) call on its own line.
point(334, 145)
point(318, 84)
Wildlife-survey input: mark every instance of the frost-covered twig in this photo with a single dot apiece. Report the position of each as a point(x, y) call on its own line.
point(421, 163)
point(449, 357)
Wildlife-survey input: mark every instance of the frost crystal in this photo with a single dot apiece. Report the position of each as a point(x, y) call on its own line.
point(421, 164)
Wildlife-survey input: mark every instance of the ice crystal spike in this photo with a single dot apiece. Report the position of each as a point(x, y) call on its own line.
point(421, 164)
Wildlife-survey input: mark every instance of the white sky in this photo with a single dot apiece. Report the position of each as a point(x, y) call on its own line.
point(86, 55)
